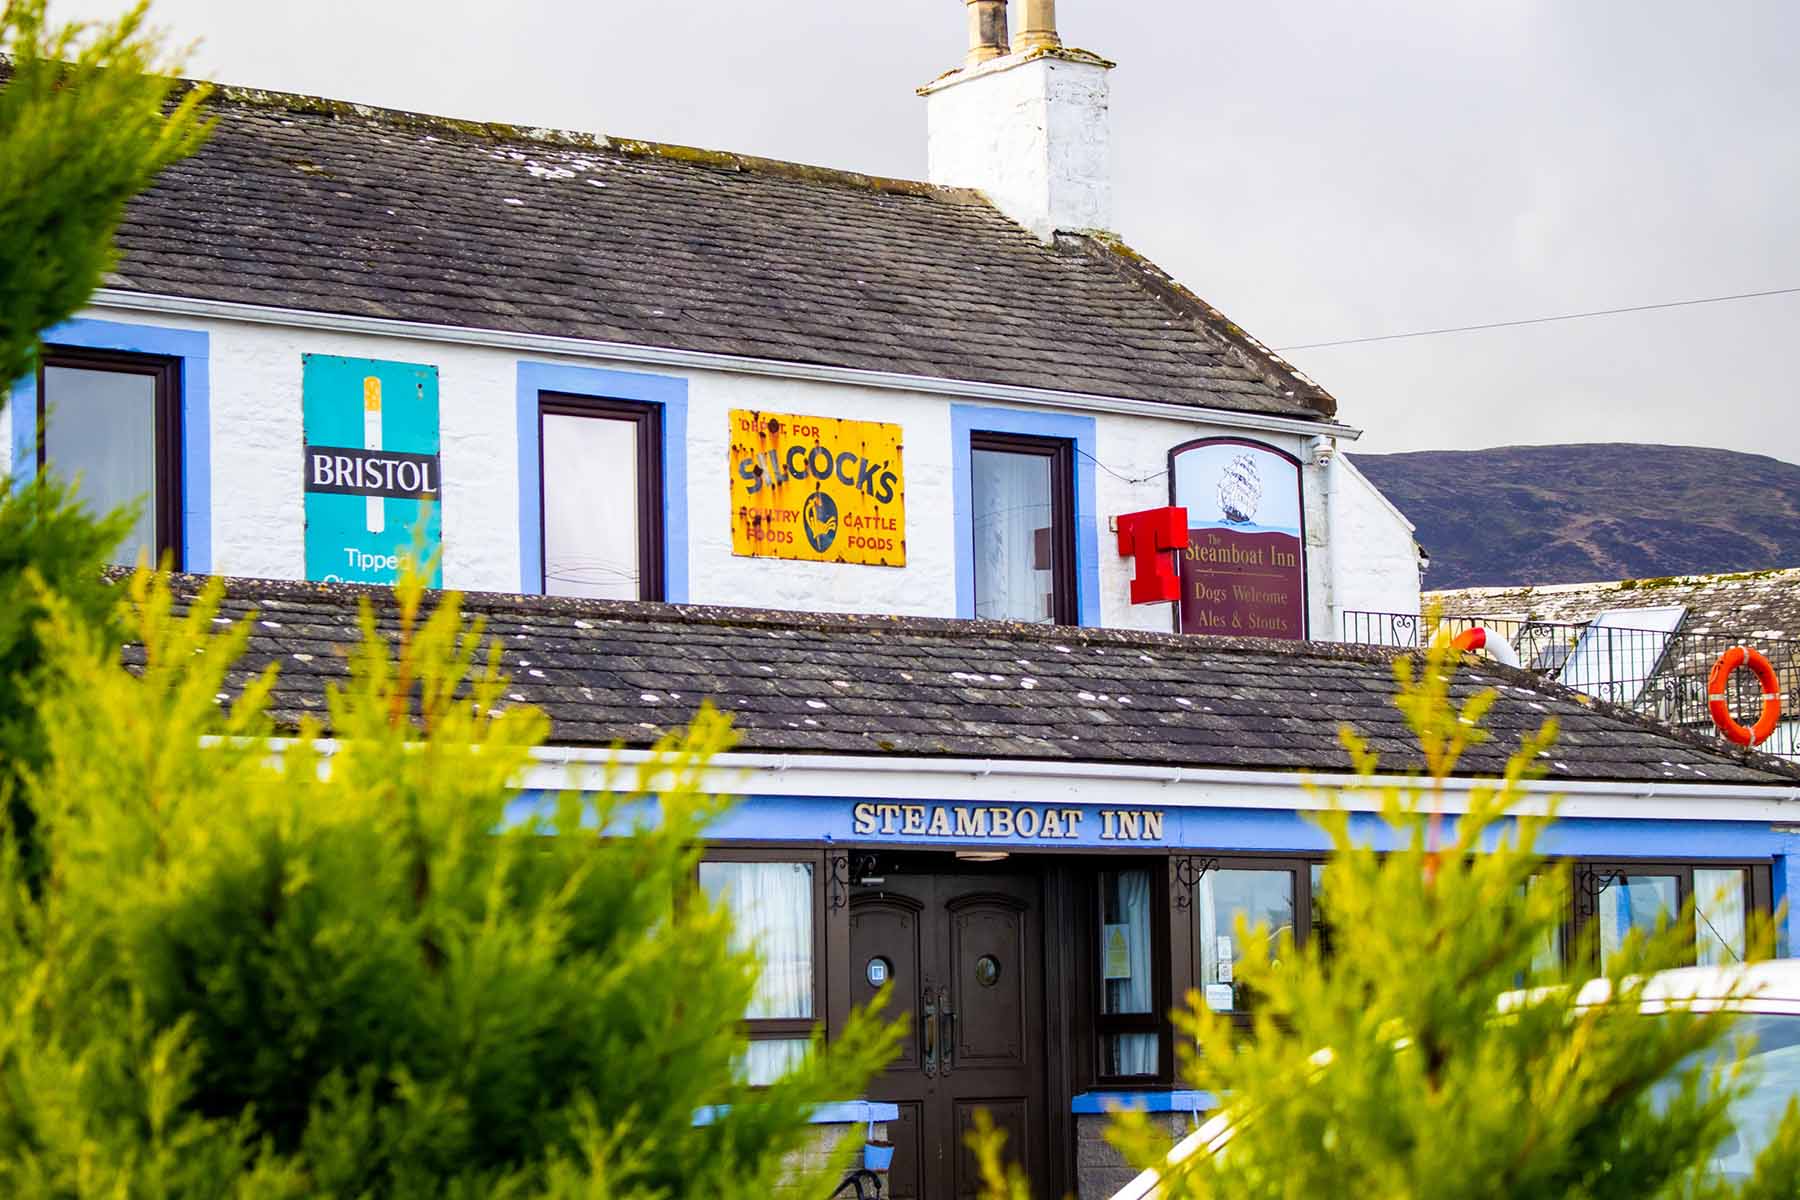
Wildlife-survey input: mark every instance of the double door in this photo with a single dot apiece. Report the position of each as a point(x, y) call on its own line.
point(963, 954)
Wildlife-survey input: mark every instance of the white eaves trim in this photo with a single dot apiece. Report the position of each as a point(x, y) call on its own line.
point(1002, 781)
point(259, 314)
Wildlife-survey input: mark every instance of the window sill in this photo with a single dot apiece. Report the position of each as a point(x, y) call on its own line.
point(844, 1112)
point(1164, 1101)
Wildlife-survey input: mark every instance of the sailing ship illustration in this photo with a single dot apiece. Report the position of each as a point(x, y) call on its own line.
point(1240, 490)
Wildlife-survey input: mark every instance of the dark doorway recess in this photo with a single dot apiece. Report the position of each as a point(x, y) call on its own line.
point(963, 949)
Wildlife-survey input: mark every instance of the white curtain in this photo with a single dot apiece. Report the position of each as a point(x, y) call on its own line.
point(1011, 499)
point(771, 908)
point(101, 425)
point(1719, 916)
point(590, 516)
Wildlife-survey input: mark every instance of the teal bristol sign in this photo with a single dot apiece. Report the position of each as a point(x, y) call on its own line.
point(371, 466)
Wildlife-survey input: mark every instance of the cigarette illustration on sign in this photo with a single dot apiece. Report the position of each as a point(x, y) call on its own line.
point(377, 509)
point(370, 466)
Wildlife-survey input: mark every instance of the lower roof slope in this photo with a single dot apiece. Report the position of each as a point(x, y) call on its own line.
point(615, 672)
point(310, 204)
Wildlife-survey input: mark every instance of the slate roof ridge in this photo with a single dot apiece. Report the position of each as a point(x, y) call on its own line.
point(501, 131)
point(628, 611)
point(1250, 352)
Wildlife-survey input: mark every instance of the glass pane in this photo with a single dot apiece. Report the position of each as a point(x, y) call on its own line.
point(1718, 915)
point(1321, 924)
point(1261, 897)
point(1128, 1054)
point(591, 507)
point(101, 425)
point(765, 1062)
point(771, 907)
point(1628, 902)
point(1012, 522)
point(1548, 957)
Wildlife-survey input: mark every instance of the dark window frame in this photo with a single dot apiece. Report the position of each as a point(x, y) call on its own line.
point(1298, 867)
point(166, 504)
point(651, 498)
point(1588, 874)
point(1162, 992)
point(775, 1029)
point(1065, 598)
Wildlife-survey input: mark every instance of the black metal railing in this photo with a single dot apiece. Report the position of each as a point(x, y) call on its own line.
point(1657, 672)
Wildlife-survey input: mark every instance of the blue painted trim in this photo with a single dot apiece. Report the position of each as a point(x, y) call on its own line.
point(671, 392)
point(832, 819)
point(966, 419)
point(1095, 1103)
point(192, 348)
point(844, 1112)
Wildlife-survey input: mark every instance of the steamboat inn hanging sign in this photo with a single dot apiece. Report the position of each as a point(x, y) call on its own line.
point(1243, 570)
point(817, 488)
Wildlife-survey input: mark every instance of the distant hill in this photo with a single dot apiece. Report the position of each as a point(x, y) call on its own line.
point(1568, 514)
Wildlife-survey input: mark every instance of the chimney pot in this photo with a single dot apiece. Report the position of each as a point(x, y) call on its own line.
point(1039, 29)
point(987, 31)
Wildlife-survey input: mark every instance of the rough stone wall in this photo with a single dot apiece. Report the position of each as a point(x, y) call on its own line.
point(816, 1154)
point(1099, 1170)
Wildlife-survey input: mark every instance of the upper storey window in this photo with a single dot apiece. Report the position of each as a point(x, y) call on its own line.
point(112, 421)
point(1023, 517)
point(603, 497)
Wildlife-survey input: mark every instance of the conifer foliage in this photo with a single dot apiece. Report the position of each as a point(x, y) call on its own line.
point(366, 967)
point(86, 122)
point(1394, 1067)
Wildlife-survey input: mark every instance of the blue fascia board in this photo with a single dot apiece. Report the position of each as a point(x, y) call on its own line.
point(669, 391)
point(966, 419)
point(192, 348)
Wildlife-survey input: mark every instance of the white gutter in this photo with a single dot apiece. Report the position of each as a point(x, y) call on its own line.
point(259, 314)
point(1007, 781)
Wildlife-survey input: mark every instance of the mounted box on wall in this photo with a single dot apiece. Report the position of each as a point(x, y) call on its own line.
point(371, 466)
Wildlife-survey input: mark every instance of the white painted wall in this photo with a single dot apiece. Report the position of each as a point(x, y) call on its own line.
point(1032, 133)
point(258, 523)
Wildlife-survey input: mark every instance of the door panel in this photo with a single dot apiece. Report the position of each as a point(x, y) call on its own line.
point(1011, 1117)
point(907, 1134)
point(886, 928)
point(987, 950)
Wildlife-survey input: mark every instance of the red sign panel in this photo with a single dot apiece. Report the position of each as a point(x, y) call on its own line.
point(1243, 573)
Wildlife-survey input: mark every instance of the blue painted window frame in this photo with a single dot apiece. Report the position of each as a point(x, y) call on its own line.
point(667, 392)
point(967, 419)
point(191, 348)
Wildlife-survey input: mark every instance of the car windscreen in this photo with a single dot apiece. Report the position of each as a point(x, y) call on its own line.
point(1773, 1074)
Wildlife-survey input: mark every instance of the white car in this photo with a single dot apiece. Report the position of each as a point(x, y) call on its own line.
point(1768, 994)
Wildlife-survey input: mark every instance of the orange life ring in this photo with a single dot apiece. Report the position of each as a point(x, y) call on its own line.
point(1479, 638)
point(1731, 660)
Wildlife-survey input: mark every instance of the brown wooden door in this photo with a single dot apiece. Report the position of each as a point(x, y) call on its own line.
point(964, 954)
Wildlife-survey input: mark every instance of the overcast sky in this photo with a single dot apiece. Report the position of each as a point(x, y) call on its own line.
point(1318, 170)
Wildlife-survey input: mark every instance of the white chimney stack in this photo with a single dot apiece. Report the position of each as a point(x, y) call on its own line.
point(1028, 128)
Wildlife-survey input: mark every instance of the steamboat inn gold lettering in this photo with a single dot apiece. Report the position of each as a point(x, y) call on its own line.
point(969, 821)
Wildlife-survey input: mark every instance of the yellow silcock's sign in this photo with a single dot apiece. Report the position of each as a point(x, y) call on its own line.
point(817, 488)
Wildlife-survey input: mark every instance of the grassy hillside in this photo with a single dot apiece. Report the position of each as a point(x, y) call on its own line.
point(1567, 514)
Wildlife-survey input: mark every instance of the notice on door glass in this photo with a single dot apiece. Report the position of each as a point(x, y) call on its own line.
point(1218, 997)
point(1117, 940)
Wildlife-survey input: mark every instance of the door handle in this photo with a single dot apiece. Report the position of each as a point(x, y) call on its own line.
point(929, 1029)
point(949, 1052)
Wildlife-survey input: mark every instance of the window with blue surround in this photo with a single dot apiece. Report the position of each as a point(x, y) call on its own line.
point(602, 483)
point(1027, 545)
point(122, 410)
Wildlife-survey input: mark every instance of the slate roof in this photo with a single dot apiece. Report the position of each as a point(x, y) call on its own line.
point(311, 204)
point(615, 672)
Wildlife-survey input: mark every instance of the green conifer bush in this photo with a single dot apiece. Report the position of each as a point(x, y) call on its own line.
point(359, 967)
point(1393, 1067)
